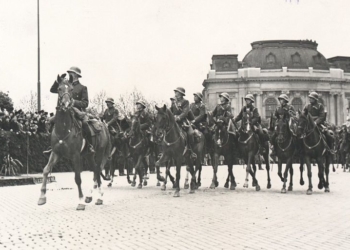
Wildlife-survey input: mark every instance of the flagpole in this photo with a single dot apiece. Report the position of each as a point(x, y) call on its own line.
point(39, 90)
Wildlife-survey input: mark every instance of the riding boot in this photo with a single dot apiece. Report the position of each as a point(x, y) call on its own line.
point(190, 146)
point(87, 136)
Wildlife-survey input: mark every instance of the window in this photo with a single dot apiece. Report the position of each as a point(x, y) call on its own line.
point(297, 104)
point(270, 106)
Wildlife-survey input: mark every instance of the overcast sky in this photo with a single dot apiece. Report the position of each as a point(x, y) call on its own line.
point(152, 45)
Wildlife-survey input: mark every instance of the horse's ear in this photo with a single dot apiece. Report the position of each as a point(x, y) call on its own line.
point(70, 78)
point(58, 79)
point(164, 108)
point(157, 108)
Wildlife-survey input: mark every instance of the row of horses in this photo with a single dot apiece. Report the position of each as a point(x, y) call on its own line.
point(170, 143)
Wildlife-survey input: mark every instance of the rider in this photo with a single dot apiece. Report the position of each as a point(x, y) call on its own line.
point(318, 114)
point(284, 110)
point(254, 119)
point(223, 110)
point(181, 108)
point(145, 120)
point(199, 111)
point(80, 103)
point(110, 116)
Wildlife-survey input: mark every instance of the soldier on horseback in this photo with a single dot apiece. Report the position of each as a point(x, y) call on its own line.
point(284, 110)
point(181, 109)
point(318, 114)
point(80, 103)
point(254, 119)
point(110, 116)
point(199, 112)
point(145, 120)
point(223, 110)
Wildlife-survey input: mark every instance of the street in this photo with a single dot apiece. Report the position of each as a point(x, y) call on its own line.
point(149, 218)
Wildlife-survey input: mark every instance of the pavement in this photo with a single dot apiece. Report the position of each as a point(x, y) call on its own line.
point(149, 218)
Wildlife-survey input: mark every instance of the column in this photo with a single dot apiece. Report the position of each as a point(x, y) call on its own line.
point(331, 113)
point(340, 115)
point(259, 102)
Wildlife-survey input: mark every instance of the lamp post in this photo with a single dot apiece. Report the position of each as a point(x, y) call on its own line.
point(39, 90)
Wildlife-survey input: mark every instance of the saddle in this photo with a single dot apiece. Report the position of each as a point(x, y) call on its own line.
point(95, 126)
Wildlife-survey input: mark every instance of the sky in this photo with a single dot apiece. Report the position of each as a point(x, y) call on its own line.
point(152, 45)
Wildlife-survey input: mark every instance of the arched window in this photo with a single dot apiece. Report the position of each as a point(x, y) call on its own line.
point(270, 106)
point(297, 103)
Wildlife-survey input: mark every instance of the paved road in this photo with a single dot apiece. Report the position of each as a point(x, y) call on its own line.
point(151, 219)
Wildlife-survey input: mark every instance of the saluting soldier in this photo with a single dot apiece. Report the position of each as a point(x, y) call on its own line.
point(318, 114)
point(110, 116)
point(254, 119)
point(223, 110)
point(283, 110)
point(145, 120)
point(199, 111)
point(80, 103)
point(181, 109)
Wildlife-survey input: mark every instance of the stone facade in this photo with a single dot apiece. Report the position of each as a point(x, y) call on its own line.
point(271, 77)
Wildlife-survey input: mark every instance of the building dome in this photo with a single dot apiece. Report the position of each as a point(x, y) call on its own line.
point(275, 54)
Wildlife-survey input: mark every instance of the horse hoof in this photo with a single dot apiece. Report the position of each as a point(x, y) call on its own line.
point(327, 190)
point(177, 194)
point(129, 182)
point(232, 187)
point(320, 185)
point(145, 183)
point(290, 188)
point(226, 185)
point(95, 186)
point(212, 186)
point(99, 202)
point(163, 188)
point(133, 184)
point(199, 184)
point(186, 186)
point(253, 184)
point(191, 191)
point(81, 207)
point(139, 186)
point(216, 184)
point(245, 185)
point(109, 185)
point(309, 192)
point(161, 178)
point(257, 188)
point(42, 201)
point(174, 186)
point(158, 184)
point(269, 186)
point(283, 191)
point(146, 177)
point(88, 199)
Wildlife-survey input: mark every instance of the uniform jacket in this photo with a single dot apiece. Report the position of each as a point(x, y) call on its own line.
point(223, 110)
point(181, 109)
point(80, 95)
point(145, 120)
point(199, 112)
point(287, 110)
point(317, 112)
point(111, 116)
point(254, 116)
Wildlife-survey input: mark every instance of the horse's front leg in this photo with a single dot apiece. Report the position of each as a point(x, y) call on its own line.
point(214, 182)
point(190, 169)
point(301, 168)
point(48, 168)
point(162, 161)
point(178, 175)
point(291, 172)
point(253, 174)
point(309, 174)
point(187, 185)
point(285, 175)
point(327, 174)
point(248, 170)
point(144, 174)
point(320, 172)
point(267, 166)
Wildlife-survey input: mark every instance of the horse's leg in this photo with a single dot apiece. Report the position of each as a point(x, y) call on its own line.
point(279, 171)
point(248, 170)
point(48, 168)
point(112, 165)
point(199, 169)
point(193, 175)
point(320, 172)
point(253, 172)
point(140, 167)
point(76, 161)
point(144, 175)
point(291, 171)
point(215, 170)
point(309, 174)
point(167, 171)
point(227, 178)
point(163, 160)
point(186, 185)
point(136, 169)
point(301, 168)
point(230, 173)
point(267, 166)
point(178, 175)
point(326, 185)
point(285, 174)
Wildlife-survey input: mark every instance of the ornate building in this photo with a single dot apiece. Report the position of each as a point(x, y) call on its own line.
point(293, 67)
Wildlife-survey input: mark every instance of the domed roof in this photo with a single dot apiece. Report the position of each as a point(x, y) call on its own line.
point(275, 54)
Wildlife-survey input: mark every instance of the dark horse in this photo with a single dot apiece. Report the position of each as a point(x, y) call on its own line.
point(314, 146)
point(173, 142)
point(286, 147)
point(248, 145)
point(224, 144)
point(67, 141)
point(139, 147)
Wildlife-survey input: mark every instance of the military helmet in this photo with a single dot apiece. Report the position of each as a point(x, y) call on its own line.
point(200, 96)
point(250, 97)
point(284, 97)
point(180, 90)
point(142, 103)
point(75, 70)
point(314, 95)
point(111, 100)
point(225, 95)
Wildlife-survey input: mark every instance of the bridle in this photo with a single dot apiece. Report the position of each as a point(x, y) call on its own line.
point(306, 134)
point(221, 145)
point(290, 141)
point(167, 130)
point(137, 144)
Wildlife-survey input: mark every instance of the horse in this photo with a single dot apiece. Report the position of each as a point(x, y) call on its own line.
point(67, 141)
point(314, 146)
point(344, 147)
point(173, 141)
point(139, 148)
point(224, 144)
point(286, 147)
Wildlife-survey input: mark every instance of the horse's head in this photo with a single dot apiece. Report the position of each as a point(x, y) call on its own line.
point(246, 127)
point(65, 89)
point(162, 123)
point(282, 128)
point(135, 126)
point(305, 124)
point(220, 130)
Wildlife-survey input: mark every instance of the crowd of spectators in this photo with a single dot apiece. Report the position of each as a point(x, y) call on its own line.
point(19, 121)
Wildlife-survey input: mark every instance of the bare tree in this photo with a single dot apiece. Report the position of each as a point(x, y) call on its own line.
point(29, 102)
point(98, 102)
